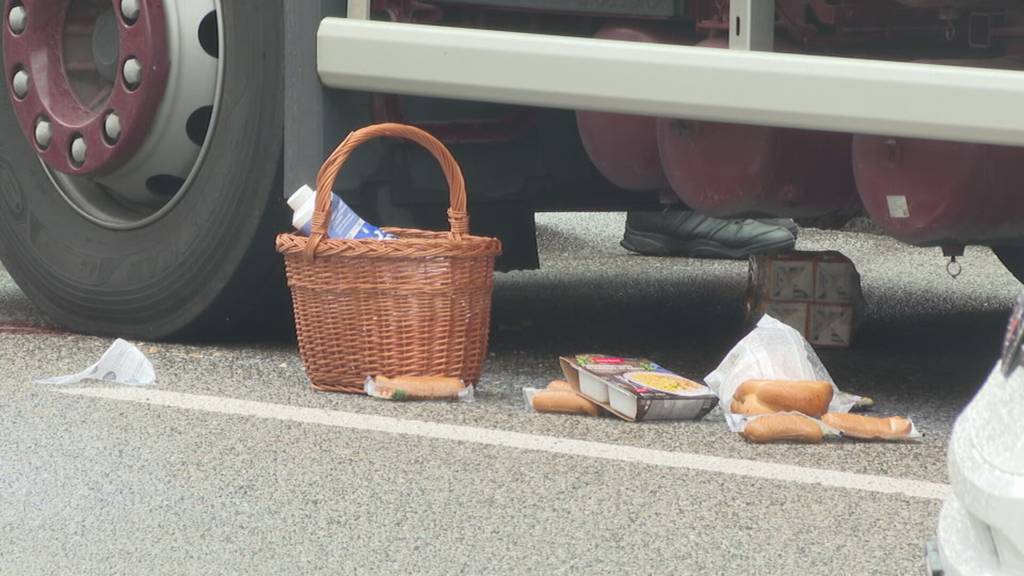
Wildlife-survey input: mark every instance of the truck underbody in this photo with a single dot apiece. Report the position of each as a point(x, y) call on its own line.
point(899, 110)
point(147, 145)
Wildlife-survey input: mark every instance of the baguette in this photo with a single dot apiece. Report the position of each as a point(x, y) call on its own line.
point(561, 386)
point(782, 427)
point(869, 427)
point(755, 397)
point(419, 387)
point(560, 402)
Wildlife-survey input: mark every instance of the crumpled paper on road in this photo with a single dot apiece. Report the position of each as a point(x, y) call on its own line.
point(122, 363)
point(772, 351)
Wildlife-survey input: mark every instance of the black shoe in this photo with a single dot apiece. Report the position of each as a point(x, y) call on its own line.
point(686, 233)
point(786, 223)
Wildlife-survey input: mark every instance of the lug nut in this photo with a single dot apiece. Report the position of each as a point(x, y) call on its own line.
point(17, 18)
point(112, 127)
point(44, 134)
point(130, 10)
point(20, 83)
point(132, 73)
point(78, 150)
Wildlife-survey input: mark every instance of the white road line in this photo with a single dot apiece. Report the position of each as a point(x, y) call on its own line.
point(551, 444)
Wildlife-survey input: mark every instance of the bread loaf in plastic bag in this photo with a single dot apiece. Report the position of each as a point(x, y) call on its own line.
point(772, 351)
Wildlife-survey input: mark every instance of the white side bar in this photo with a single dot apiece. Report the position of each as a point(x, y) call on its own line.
point(814, 92)
point(752, 25)
point(358, 9)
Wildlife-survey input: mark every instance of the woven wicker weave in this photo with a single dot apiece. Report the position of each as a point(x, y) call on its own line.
point(419, 305)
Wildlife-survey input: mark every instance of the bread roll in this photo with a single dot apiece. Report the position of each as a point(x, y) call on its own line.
point(754, 397)
point(561, 386)
point(869, 427)
point(419, 387)
point(782, 427)
point(560, 402)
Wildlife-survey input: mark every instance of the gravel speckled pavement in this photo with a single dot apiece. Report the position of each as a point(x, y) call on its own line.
point(101, 486)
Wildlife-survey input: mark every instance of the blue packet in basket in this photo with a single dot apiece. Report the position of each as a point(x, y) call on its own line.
point(343, 224)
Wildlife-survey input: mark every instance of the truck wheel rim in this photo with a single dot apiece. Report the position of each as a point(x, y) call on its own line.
point(116, 97)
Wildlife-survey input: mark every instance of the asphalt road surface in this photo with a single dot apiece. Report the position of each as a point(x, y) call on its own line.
point(229, 464)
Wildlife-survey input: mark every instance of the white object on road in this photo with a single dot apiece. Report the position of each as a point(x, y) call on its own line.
point(981, 527)
point(772, 351)
point(122, 363)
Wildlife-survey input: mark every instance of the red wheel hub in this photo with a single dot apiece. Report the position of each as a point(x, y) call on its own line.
point(66, 63)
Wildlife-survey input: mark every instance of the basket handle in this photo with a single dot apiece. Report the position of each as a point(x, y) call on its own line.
point(458, 218)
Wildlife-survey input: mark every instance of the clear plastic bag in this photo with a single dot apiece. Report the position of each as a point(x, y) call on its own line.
point(772, 351)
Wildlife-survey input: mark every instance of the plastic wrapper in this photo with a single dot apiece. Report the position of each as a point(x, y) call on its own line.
point(787, 434)
point(913, 434)
point(808, 431)
point(122, 363)
point(772, 351)
point(528, 394)
point(418, 388)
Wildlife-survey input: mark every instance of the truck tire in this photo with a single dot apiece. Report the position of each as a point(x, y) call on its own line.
point(101, 255)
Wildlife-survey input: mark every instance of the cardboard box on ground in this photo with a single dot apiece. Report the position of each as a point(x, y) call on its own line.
point(637, 389)
point(817, 293)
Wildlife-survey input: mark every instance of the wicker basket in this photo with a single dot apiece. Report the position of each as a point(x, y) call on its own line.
point(419, 305)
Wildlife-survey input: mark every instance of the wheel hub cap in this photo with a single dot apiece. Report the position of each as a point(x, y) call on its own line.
point(116, 97)
point(62, 58)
